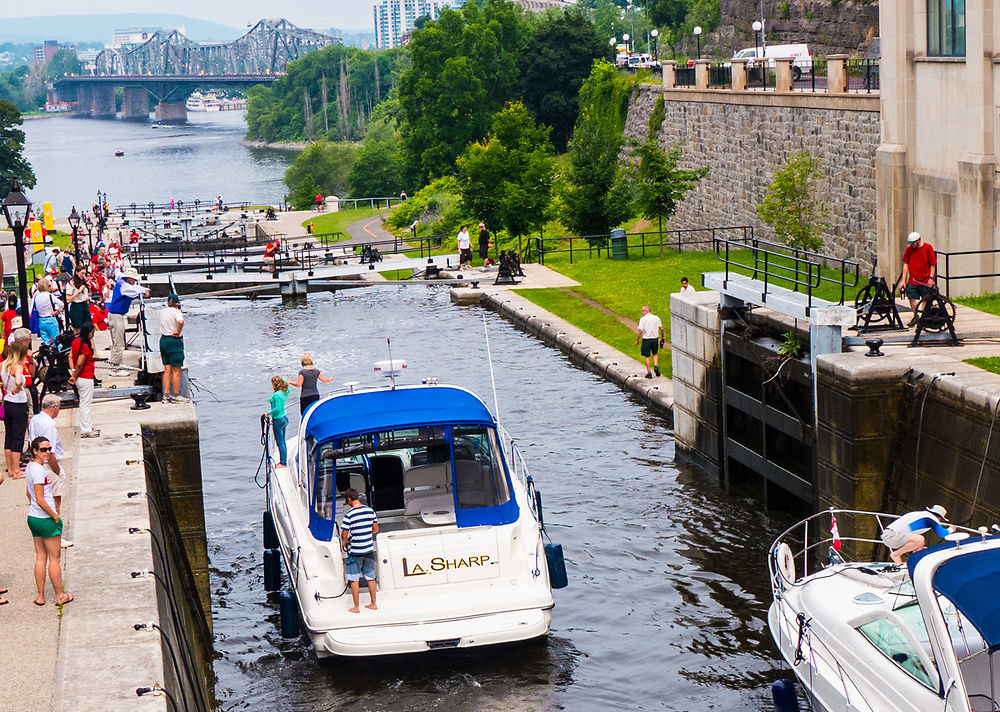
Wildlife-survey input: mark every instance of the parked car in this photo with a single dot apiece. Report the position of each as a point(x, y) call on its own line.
point(798, 52)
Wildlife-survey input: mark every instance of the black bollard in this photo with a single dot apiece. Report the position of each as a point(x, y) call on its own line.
point(272, 570)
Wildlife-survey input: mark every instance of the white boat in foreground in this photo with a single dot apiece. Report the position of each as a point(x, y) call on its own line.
point(460, 559)
point(874, 637)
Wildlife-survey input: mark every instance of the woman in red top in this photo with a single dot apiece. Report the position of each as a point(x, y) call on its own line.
point(81, 359)
point(8, 315)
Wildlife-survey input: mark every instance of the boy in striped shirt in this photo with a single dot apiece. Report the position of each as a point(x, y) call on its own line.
point(357, 534)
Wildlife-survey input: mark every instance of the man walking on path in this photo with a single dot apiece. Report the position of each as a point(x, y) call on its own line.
point(919, 272)
point(464, 247)
point(126, 289)
point(357, 533)
point(43, 424)
point(172, 349)
point(651, 332)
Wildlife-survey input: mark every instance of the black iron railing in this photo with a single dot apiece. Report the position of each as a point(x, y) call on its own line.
point(862, 75)
point(950, 262)
point(179, 207)
point(640, 243)
point(780, 265)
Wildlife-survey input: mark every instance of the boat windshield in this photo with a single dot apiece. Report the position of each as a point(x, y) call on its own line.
point(889, 637)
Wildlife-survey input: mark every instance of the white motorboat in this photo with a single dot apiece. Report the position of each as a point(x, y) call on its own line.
point(875, 637)
point(460, 558)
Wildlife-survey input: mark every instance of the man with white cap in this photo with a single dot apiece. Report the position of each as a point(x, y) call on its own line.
point(919, 272)
point(126, 289)
point(906, 534)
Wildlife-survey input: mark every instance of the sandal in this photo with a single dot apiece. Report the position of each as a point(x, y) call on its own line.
point(4, 601)
point(37, 603)
point(69, 599)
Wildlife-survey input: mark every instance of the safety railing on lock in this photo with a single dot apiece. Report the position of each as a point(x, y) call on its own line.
point(642, 244)
point(949, 264)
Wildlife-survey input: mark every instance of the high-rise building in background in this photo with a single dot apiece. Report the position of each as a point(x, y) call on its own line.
point(45, 52)
point(394, 19)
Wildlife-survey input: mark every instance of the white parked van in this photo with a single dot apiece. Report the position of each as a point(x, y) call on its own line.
point(799, 52)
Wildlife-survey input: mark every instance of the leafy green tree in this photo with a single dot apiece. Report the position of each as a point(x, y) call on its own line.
point(794, 206)
point(560, 53)
point(463, 69)
point(63, 62)
point(376, 172)
point(660, 183)
point(322, 168)
point(597, 197)
point(506, 179)
point(12, 163)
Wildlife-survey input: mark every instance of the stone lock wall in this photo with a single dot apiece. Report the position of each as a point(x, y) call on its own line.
point(743, 137)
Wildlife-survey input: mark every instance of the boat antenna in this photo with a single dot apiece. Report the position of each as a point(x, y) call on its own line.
point(493, 382)
point(392, 368)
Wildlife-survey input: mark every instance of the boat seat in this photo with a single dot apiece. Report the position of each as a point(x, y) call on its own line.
point(423, 482)
point(474, 489)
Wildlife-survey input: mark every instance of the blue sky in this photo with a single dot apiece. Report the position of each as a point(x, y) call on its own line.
point(343, 14)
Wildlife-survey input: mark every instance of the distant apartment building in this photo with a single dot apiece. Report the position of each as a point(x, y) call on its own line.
point(130, 36)
point(541, 5)
point(46, 51)
point(394, 19)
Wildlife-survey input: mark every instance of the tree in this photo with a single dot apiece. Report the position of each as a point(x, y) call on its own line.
point(560, 54)
point(463, 69)
point(793, 205)
point(660, 183)
point(63, 62)
point(506, 179)
point(12, 163)
point(376, 172)
point(598, 197)
point(322, 168)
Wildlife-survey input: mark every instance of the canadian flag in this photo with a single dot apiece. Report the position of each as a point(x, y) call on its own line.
point(834, 531)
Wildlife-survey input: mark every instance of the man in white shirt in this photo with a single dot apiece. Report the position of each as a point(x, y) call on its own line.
point(43, 424)
point(172, 349)
point(651, 332)
point(686, 288)
point(464, 247)
point(52, 261)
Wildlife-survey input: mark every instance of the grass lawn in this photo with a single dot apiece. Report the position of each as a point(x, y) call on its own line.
point(338, 222)
point(623, 286)
point(987, 363)
point(989, 303)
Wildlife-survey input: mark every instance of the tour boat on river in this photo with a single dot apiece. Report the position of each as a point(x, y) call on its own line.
point(875, 637)
point(460, 557)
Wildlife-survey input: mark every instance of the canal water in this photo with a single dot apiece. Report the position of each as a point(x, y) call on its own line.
point(668, 588)
point(73, 158)
point(668, 585)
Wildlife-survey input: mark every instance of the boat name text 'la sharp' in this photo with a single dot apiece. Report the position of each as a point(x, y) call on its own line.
point(439, 563)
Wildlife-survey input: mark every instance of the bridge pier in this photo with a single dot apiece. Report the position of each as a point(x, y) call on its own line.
point(172, 112)
point(104, 102)
point(135, 104)
point(84, 99)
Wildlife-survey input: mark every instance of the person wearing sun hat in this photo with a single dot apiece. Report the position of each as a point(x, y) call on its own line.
point(172, 349)
point(126, 289)
point(906, 534)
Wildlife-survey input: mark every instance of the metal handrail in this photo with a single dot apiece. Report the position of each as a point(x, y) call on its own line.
point(675, 240)
point(769, 261)
point(946, 274)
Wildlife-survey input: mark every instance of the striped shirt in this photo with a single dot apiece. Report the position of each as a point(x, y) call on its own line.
point(358, 521)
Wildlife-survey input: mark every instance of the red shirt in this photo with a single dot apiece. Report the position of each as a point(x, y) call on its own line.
point(81, 347)
point(7, 317)
point(919, 259)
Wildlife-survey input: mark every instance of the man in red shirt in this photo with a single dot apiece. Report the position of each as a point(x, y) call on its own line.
point(919, 272)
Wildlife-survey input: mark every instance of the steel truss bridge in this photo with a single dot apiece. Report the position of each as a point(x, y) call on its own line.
point(266, 48)
point(169, 66)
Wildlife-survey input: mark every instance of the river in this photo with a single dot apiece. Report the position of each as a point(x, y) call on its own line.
point(668, 585)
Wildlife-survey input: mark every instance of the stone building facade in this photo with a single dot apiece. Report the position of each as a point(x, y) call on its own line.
point(743, 137)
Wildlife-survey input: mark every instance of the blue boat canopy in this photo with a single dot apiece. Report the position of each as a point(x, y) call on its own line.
point(385, 409)
point(970, 581)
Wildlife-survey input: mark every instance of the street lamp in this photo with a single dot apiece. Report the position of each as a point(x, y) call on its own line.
point(90, 234)
point(74, 223)
point(13, 202)
point(757, 27)
point(655, 33)
point(697, 34)
point(625, 39)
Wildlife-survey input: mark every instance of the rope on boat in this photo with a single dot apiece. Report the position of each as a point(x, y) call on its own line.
point(803, 625)
point(265, 459)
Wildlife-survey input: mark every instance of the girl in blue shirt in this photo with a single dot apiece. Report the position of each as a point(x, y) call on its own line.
point(278, 418)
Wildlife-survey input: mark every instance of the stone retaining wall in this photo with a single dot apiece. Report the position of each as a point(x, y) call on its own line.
point(743, 137)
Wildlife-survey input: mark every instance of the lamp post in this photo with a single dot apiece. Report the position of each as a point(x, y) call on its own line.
point(90, 234)
point(74, 223)
point(655, 34)
point(14, 202)
point(625, 39)
point(757, 27)
point(697, 34)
